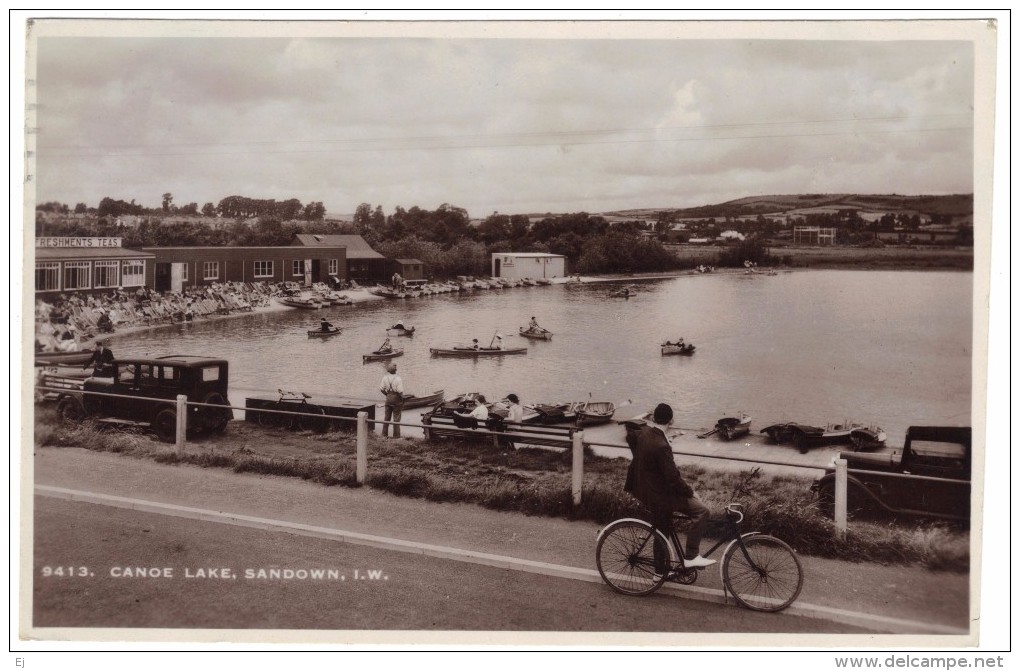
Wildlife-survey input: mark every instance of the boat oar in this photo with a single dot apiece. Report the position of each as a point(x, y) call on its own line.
point(708, 433)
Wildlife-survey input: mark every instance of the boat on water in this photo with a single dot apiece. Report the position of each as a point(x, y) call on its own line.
point(379, 355)
point(729, 428)
point(591, 413)
point(386, 292)
point(626, 292)
point(303, 302)
point(543, 281)
point(683, 349)
point(463, 351)
point(62, 358)
point(540, 334)
point(319, 333)
point(415, 401)
point(400, 331)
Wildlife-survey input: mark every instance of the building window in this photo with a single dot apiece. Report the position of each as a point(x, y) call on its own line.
point(210, 270)
point(334, 267)
point(263, 269)
point(132, 273)
point(299, 267)
point(47, 276)
point(107, 274)
point(184, 272)
point(76, 275)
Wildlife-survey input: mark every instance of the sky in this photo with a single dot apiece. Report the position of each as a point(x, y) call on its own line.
point(498, 125)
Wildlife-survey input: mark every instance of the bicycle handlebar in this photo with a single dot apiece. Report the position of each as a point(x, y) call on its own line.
point(734, 510)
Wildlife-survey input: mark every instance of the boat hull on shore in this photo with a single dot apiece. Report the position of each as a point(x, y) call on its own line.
point(729, 428)
point(412, 401)
point(62, 358)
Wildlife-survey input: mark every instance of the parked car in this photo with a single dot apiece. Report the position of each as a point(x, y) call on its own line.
point(129, 396)
point(929, 477)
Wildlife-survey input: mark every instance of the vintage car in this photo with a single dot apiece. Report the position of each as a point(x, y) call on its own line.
point(929, 477)
point(144, 392)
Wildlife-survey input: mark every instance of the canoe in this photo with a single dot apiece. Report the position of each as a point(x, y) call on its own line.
point(535, 335)
point(729, 428)
point(671, 348)
point(298, 302)
point(471, 352)
point(62, 358)
point(319, 333)
point(413, 401)
point(590, 413)
point(378, 356)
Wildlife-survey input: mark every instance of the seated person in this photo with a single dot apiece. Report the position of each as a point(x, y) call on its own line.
point(480, 413)
point(474, 343)
point(399, 326)
point(533, 325)
point(386, 346)
point(516, 412)
point(499, 342)
point(325, 326)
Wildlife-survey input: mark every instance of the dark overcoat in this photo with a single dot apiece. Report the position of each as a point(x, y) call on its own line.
point(653, 477)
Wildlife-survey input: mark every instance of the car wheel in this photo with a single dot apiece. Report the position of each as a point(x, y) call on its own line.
point(165, 425)
point(71, 410)
point(215, 419)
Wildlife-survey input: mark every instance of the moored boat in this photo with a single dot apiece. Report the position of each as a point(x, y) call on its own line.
point(413, 401)
point(473, 352)
point(299, 302)
point(729, 428)
point(62, 358)
point(540, 334)
point(380, 355)
point(551, 413)
point(590, 413)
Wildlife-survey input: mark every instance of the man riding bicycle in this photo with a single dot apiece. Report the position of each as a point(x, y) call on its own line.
point(654, 480)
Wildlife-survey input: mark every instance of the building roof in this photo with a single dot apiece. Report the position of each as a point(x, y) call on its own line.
point(529, 254)
point(356, 246)
point(90, 253)
point(406, 261)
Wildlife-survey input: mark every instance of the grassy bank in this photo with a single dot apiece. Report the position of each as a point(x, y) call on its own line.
point(530, 481)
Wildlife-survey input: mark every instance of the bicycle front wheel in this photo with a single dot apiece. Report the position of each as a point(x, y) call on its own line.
point(626, 557)
point(768, 577)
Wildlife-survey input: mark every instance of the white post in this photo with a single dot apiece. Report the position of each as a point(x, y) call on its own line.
point(839, 496)
point(182, 422)
point(577, 467)
point(362, 462)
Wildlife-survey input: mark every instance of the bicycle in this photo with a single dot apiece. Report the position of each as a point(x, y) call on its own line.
point(295, 401)
point(761, 572)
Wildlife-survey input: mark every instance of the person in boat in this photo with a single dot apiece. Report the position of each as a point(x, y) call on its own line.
point(101, 361)
point(325, 326)
point(392, 388)
point(534, 327)
point(385, 348)
point(654, 480)
point(474, 344)
point(498, 342)
point(399, 326)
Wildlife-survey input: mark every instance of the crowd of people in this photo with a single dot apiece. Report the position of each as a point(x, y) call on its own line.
point(64, 322)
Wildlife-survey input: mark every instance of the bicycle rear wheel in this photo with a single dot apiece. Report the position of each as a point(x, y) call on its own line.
point(317, 424)
point(625, 557)
point(768, 578)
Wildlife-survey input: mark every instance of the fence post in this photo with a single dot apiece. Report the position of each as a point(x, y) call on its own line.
point(362, 461)
point(577, 467)
point(182, 422)
point(839, 496)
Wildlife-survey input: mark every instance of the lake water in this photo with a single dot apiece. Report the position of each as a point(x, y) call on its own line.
point(885, 348)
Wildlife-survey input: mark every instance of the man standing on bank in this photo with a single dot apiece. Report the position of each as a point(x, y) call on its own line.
point(101, 361)
point(393, 388)
point(654, 479)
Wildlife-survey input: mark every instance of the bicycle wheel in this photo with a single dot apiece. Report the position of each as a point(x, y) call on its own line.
point(625, 557)
point(768, 578)
point(316, 424)
point(268, 418)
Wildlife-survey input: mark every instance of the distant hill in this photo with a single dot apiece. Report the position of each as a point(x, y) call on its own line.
point(956, 205)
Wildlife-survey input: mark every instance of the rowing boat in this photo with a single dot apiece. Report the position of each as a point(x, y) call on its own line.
point(299, 302)
point(729, 428)
point(674, 348)
point(62, 358)
point(379, 356)
point(400, 331)
point(319, 333)
point(472, 352)
point(412, 401)
point(535, 335)
point(590, 413)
